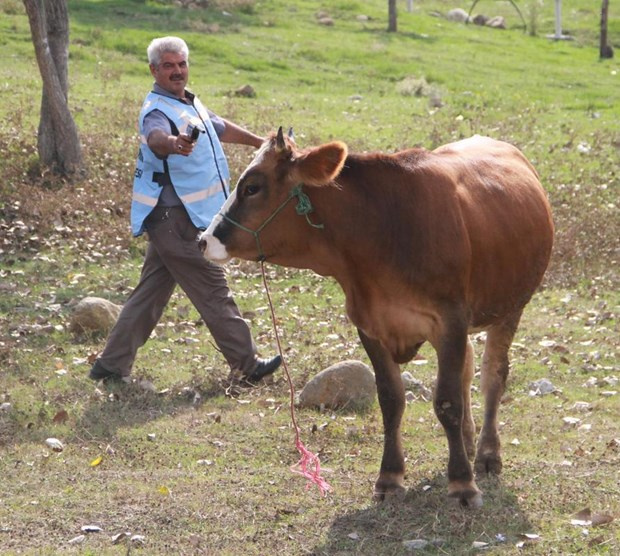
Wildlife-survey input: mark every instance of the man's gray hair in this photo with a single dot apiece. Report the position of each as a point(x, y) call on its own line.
point(166, 44)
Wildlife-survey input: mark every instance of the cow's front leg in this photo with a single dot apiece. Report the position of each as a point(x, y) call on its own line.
point(391, 394)
point(450, 406)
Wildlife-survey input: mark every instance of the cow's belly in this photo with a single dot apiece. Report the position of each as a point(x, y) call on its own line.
point(400, 328)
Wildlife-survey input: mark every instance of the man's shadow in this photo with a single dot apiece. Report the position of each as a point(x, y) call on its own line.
point(117, 406)
point(426, 514)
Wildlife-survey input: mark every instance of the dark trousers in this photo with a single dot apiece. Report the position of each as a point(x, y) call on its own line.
point(172, 258)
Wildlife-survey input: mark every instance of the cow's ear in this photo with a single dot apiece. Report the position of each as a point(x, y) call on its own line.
point(321, 165)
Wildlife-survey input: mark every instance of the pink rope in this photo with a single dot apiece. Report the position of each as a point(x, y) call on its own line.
point(309, 466)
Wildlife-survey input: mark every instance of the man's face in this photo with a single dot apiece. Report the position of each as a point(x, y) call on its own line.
point(172, 72)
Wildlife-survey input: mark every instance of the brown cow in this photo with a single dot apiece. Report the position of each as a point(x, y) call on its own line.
point(427, 245)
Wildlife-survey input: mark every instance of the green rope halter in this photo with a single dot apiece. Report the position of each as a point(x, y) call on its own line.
point(303, 208)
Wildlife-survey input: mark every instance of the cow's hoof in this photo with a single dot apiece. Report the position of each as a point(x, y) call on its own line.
point(471, 502)
point(488, 464)
point(391, 494)
point(389, 486)
point(465, 494)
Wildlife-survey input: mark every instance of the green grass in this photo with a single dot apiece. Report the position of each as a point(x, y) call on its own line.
point(215, 476)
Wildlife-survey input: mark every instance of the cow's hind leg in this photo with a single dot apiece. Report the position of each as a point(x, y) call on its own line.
point(469, 426)
point(493, 376)
point(391, 394)
point(455, 359)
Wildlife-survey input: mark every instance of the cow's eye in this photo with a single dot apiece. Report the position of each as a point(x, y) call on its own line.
point(250, 190)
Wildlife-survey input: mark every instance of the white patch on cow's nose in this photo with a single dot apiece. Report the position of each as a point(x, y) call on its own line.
point(214, 250)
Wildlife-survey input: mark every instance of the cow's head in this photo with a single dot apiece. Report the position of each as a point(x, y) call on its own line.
point(269, 207)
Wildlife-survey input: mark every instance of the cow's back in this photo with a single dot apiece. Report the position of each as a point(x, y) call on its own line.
point(507, 220)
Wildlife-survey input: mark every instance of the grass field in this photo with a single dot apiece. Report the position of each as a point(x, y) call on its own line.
point(194, 468)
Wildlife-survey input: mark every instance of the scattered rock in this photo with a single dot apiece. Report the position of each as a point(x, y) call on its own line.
point(480, 19)
point(497, 22)
point(458, 15)
point(416, 544)
point(412, 384)
point(414, 86)
point(247, 91)
point(345, 384)
point(541, 387)
point(327, 21)
point(94, 316)
point(54, 444)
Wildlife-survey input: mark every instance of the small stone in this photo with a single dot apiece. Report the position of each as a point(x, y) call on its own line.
point(94, 315)
point(416, 544)
point(54, 444)
point(345, 384)
point(571, 421)
point(247, 91)
point(541, 387)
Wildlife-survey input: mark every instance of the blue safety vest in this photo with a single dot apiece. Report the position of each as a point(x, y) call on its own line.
point(198, 179)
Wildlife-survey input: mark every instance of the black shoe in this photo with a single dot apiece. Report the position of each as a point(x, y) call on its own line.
point(99, 372)
point(264, 368)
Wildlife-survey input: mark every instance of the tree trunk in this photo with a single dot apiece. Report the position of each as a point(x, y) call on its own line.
point(58, 141)
point(606, 50)
point(391, 16)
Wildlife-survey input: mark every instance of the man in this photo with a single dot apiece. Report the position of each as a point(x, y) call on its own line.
point(180, 183)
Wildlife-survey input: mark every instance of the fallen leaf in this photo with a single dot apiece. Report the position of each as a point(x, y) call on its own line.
point(601, 519)
point(138, 539)
point(164, 490)
point(96, 461)
point(91, 529)
point(60, 417)
point(530, 537)
point(119, 537)
point(416, 544)
point(77, 540)
point(582, 518)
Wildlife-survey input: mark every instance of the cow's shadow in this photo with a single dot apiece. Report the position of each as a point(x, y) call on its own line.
point(427, 515)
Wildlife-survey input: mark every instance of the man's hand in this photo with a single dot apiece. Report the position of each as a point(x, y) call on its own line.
point(182, 144)
point(164, 145)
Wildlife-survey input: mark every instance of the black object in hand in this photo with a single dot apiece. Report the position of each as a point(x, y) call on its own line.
point(193, 132)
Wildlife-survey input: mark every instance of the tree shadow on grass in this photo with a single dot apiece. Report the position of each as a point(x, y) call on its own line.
point(426, 514)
